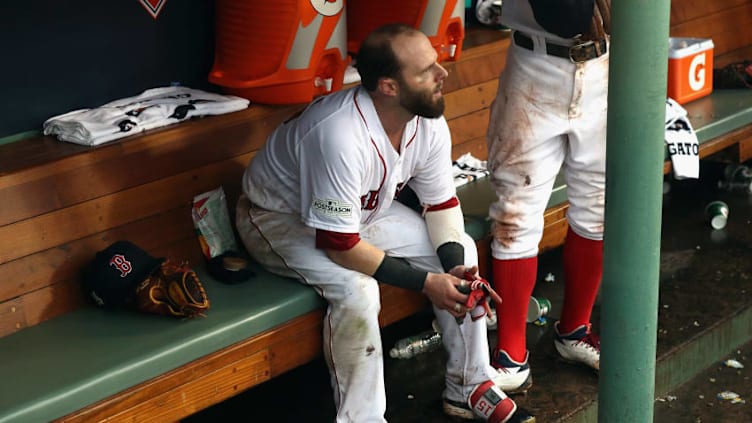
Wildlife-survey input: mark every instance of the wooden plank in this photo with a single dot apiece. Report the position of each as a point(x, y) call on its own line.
point(31, 159)
point(169, 152)
point(480, 36)
point(174, 380)
point(687, 10)
point(745, 150)
point(65, 261)
point(398, 303)
point(483, 65)
point(730, 28)
point(199, 393)
point(307, 344)
point(469, 127)
point(85, 219)
point(52, 301)
point(555, 227)
point(470, 99)
point(738, 55)
point(485, 264)
point(12, 317)
point(477, 147)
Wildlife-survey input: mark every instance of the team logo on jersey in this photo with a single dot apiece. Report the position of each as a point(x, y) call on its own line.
point(119, 262)
point(332, 207)
point(370, 201)
point(328, 7)
point(153, 6)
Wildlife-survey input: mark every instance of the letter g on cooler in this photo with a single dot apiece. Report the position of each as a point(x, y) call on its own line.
point(697, 72)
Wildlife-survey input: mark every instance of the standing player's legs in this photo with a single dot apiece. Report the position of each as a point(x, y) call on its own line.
point(586, 182)
point(352, 337)
point(526, 150)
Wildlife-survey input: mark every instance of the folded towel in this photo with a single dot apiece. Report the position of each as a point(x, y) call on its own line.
point(151, 109)
point(468, 168)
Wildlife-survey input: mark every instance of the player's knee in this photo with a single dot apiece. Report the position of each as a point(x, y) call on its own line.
point(361, 298)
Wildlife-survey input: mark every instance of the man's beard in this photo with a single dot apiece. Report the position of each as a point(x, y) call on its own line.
point(421, 103)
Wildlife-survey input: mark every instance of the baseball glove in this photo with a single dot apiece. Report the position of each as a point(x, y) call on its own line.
point(174, 290)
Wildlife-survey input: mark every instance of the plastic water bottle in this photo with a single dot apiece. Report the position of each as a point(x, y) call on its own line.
point(411, 346)
point(736, 178)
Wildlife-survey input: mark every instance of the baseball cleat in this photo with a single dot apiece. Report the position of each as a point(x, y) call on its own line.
point(513, 377)
point(489, 404)
point(580, 346)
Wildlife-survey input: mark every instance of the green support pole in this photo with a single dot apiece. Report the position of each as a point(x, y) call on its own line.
point(634, 195)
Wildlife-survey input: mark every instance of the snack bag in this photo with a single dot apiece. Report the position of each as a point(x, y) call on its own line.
point(212, 222)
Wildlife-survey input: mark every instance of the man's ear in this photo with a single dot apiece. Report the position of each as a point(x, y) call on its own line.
point(388, 86)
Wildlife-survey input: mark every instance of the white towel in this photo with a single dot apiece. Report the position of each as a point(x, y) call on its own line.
point(681, 141)
point(468, 168)
point(151, 109)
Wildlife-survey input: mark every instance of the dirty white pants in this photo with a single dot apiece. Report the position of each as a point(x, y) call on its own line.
point(352, 339)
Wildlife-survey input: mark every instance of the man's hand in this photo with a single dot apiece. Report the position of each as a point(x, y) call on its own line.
point(461, 271)
point(445, 290)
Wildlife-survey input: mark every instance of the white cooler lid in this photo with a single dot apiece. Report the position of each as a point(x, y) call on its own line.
point(682, 47)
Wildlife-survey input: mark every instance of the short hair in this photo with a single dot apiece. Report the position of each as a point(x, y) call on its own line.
point(376, 58)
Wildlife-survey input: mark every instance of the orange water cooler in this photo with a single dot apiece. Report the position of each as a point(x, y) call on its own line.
point(443, 21)
point(690, 68)
point(281, 51)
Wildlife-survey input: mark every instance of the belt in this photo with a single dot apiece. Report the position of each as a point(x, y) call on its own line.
point(577, 53)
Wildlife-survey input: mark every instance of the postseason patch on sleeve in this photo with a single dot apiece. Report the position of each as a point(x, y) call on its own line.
point(331, 207)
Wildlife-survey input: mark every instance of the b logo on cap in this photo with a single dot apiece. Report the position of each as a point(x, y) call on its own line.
point(119, 262)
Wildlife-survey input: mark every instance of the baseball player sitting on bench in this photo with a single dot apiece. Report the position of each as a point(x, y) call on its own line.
point(318, 205)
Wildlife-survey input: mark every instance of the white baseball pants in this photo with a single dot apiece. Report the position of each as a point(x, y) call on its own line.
point(352, 338)
point(548, 111)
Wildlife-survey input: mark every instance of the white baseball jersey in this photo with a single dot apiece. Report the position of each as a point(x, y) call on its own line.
point(335, 165)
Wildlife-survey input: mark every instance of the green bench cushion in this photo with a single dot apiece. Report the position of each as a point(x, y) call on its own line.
point(720, 112)
point(67, 363)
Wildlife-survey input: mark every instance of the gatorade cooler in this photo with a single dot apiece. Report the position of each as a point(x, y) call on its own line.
point(281, 51)
point(690, 68)
point(443, 21)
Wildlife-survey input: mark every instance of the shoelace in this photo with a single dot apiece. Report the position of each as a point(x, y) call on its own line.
point(591, 340)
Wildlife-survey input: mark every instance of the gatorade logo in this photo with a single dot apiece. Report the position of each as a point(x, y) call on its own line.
point(119, 262)
point(697, 72)
point(328, 7)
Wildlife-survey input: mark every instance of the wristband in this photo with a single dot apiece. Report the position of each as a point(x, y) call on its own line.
point(397, 272)
point(451, 254)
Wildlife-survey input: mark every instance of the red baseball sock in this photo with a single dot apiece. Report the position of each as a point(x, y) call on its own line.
point(583, 269)
point(514, 280)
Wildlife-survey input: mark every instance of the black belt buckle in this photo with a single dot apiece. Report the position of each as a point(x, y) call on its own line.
point(586, 51)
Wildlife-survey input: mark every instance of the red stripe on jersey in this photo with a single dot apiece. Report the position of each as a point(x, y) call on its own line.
point(448, 204)
point(381, 157)
point(415, 134)
point(328, 240)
